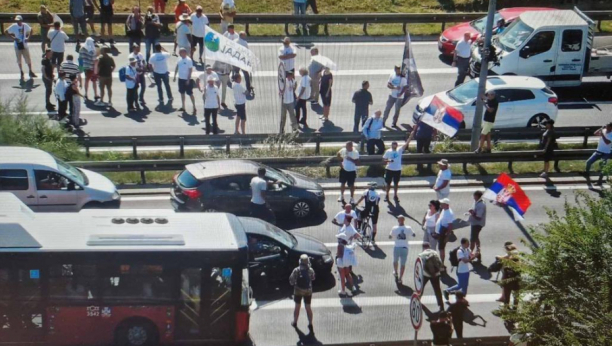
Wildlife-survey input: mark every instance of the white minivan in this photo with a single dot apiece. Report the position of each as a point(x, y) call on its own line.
point(45, 183)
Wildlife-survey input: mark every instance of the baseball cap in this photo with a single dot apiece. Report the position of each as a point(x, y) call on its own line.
point(443, 162)
point(18, 18)
point(445, 201)
point(132, 59)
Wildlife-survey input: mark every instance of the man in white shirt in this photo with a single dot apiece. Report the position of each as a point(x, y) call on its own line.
point(314, 71)
point(198, 30)
point(240, 93)
point(57, 38)
point(20, 33)
point(247, 76)
point(399, 234)
point(442, 184)
point(184, 68)
point(348, 170)
point(288, 103)
point(227, 12)
point(259, 187)
point(461, 58)
point(131, 83)
point(465, 257)
point(183, 31)
point(393, 170)
point(223, 71)
point(140, 68)
point(372, 132)
point(286, 54)
point(210, 95)
point(158, 63)
point(604, 147)
point(203, 77)
point(303, 95)
point(231, 33)
point(398, 85)
point(348, 211)
point(444, 226)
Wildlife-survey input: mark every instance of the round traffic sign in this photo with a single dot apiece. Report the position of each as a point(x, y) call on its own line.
point(418, 275)
point(416, 311)
point(282, 78)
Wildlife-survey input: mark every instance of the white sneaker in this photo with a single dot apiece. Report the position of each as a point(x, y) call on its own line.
point(99, 103)
point(352, 201)
point(341, 198)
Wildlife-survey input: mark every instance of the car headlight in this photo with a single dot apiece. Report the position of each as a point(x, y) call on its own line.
point(419, 109)
point(327, 259)
point(318, 193)
point(443, 39)
point(116, 196)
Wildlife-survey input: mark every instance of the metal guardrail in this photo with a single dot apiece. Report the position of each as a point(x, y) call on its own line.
point(316, 138)
point(465, 159)
point(248, 19)
point(484, 341)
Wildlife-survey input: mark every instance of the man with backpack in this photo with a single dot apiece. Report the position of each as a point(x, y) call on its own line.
point(301, 279)
point(432, 268)
point(372, 133)
point(461, 258)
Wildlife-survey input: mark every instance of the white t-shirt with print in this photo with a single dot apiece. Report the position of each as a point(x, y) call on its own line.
point(400, 235)
point(396, 81)
point(288, 96)
point(184, 66)
point(159, 62)
point(348, 165)
point(442, 176)
point(341, 216)
point(20, 32)
point(463, 253)
point(396, 156)
point(304, 83)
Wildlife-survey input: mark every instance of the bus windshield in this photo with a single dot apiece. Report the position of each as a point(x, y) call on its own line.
point(514, 36)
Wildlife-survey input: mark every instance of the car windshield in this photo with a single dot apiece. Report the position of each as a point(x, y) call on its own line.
point(479, 24)
point(275, 174)
point(71, 172)
point(514, 36)
point(281, 236)
point(464, 93)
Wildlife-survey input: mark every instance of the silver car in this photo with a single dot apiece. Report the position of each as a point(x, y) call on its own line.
point(45, 183)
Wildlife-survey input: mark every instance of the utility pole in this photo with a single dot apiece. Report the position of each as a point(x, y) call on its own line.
point(484, 69)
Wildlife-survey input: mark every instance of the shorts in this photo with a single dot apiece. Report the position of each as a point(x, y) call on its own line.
point(89, 74)
point(185, 86)
point(297, 298)
point(57, 58)
point(442, 194)
point(23, 53)
point(195, 40)
point(549, 155)
point(428, 238)
point(347, 177)
point(89, 13)
point(105, 81)
point(486, 127)
point(106, 16)
point(241, 111)
point(373, 214)
point(400, 254)
point(475, 232)
point(392, 176)
point(442, 240)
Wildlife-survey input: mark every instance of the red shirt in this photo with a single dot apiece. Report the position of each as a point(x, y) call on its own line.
point(179, 9)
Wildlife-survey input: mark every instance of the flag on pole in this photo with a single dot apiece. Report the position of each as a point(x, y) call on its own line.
point(409, 69)
point(442, 117)
point(221, 49)
point(506, 191)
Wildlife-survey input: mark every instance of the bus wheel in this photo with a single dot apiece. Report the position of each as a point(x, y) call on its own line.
point(136, 332)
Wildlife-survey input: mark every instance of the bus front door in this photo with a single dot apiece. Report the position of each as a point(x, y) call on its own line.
point(21, 310)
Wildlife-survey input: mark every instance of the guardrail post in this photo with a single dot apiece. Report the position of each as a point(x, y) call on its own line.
point(598, 26)
point(362, 145)
point(287, 29)
point(135, 148)
point(557, 169)
point(404, 28)
point(87, 147)
point(327, 171)
point(365, 29)
point(326, 30)
point(143, 177)
point(318, 144)
point(510, 167)
point(465, 171)
point(443, 26)
point(586, 137)
point(246, 29)
point(227, 144)
point(182, 147)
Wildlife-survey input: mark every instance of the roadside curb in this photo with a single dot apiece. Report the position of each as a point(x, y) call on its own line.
point(411, 182)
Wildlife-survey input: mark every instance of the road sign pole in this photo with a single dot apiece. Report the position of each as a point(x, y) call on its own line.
point(482, 83)
point(416, 333)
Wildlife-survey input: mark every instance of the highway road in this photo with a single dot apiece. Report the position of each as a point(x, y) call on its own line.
point(357, 61)
point(379, 312)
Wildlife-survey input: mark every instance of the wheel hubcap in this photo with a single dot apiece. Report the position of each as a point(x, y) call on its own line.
point(137, 335)
point(301, 209)
point(210, 210)
point(538, 121)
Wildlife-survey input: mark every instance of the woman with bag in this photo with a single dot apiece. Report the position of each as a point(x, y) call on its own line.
point(429, 223)
point(301, 279)
point(345, 255)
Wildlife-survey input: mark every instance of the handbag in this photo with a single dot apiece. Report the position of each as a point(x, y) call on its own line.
point(20, 45)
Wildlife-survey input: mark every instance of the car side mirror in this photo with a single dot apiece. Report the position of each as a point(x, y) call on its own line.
point(524, 53)
point(71, 186)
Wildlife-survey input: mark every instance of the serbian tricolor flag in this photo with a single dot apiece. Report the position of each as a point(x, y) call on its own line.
point(442, 117)
point(506, 191)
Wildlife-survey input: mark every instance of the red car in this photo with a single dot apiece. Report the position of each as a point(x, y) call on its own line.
point(450, 36)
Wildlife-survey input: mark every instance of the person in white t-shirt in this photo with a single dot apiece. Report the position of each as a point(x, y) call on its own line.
point(184, 68)
point(231, 33)
point(158, 63)
point(398, 85)
point(288, 103)
point(345, 255)
point(461, 57)
point(442, 184)
point(240, 94)
point(393, 170)
point(348, 170)
point(212, 102)
point(399, 234)
point(444, 226)
point(465, 257)
point(183, 31)
point(259, 187)
point(286, 54)
point(348, 211)
point(57, 42)
point(603, 150)
point(131, 84)
point(303, 95)
point(20, 33)
point(198, 30)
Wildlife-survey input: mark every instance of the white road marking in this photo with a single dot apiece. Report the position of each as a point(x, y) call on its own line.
point(362, 301)
point(146, 198)
point(299, 44)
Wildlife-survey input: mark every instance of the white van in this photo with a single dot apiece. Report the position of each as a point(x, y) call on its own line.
point(45, 183)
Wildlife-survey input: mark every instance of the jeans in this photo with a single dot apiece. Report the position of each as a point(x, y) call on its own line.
point(132, 40)
point(359, 117)
point(165, 78)
point(463, 66)
point(48, 92)
point(142, 85)
point(435, 283)
point(594, 158)
point(375, 142)
point(149, 42)
point(300, 107)
point(299, 9)
point(208, 112)
point(247, 79)
point(132, 94)
point(392, 101)
point(422, 147)
point(463, 280)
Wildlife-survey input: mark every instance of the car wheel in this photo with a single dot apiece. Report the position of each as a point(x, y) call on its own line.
point(301, 209)
point(210, 210)
point(136, 332)
point(537, 121)
point(93, 205)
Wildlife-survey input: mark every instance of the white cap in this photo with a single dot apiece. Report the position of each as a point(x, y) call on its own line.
point(445, 201)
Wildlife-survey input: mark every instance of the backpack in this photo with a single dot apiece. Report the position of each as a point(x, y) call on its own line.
point(454, 260)
point(432, 263)
point(122, 73)
point(303, 280)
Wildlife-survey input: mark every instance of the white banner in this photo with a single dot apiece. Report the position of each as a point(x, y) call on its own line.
point(220, 48)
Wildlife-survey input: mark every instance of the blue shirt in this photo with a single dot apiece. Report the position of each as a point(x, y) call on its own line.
point(372, 128)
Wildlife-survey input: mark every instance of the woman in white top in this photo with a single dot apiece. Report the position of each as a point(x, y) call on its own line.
point(429, 223)
point(345, 256)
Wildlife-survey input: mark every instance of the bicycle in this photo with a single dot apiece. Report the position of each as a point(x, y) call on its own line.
point(365, 230)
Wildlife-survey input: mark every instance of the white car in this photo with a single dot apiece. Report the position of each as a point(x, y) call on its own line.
point(45, 183)
point(523, 101)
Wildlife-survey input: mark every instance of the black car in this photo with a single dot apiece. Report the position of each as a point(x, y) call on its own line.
point(276, 252)
point(225, 186)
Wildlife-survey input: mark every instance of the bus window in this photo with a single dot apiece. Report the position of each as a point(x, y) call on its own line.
point(136, 282)
point(188, 324)
point(74, 283)
point(28, 302)
point(219, 305)
point(5, 298)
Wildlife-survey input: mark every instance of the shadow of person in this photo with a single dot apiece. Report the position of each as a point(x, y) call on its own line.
point(551, 189)
point(317, 108)
point(447, 279)
point(397, 209)
point(403, 290)
point(27, 85)
point(460, 223)
point(481, 270)
point(306, 339)
point(189, 118)
point(329, 126)
point(470, 318)
point(349, 305)
point(375, 252)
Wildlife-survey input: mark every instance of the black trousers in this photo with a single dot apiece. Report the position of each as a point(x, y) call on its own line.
point(435, 283)
point(132, 97)
point(62, 108)
point(458, 325)
point(208, 112)
point(261, 211)
point(300, 108)
point(313, 5)
point(422, 147)
point(378, 143)
point(48, 92)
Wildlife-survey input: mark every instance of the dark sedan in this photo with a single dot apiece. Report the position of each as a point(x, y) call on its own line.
point(276, 252)
point(224, 186)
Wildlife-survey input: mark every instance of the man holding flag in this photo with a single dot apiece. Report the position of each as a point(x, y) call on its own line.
point(398, 85)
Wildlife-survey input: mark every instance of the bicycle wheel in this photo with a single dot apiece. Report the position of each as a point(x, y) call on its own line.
point(366, 234)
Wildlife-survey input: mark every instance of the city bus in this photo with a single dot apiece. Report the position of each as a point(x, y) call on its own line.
point(122, 277)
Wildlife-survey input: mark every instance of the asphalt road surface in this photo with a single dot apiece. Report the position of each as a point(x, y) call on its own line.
point(357, 61)
point(379, 312)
